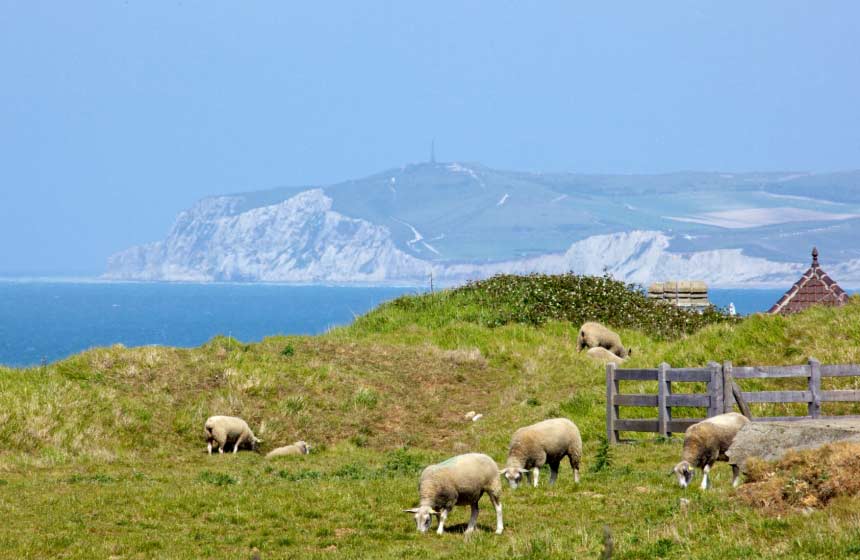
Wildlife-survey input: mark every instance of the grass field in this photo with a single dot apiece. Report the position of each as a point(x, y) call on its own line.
point(102, 455)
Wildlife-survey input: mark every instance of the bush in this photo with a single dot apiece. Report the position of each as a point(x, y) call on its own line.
point(538, 298)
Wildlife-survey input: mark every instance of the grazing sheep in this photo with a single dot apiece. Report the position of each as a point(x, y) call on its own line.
point(543, 443)
point(298, 448)
point(705, 443)
point(593, 335)
point(458, 481)
point(604, 356)
point(222, 430)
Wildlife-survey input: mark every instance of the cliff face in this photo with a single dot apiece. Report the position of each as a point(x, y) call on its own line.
point(298, 240)
point(463, 222)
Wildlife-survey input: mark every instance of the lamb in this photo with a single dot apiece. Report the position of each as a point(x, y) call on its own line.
point(705, 443)
point(460, 480)
point(298, 448)
point(222, 430)
point(546, 442)
point(603, 355)
point(593, 335)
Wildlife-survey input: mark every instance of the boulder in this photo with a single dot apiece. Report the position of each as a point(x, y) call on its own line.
point(771, 440)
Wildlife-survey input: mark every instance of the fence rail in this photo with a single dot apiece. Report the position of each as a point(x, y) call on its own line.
point(721, 395)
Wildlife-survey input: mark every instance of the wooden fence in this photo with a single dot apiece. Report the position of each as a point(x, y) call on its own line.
point(722, 393)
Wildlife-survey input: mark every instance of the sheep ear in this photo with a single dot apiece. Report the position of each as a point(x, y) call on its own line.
point(671, 472)
point(413, 510)
point(523, 471)
point(502, 471)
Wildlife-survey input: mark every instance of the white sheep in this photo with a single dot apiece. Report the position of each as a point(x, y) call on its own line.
point(705, 443)
point(593, 335)
point(298, 448)
point(222, 430)
point(601, 354)
point(546, 442)
point(458, 481)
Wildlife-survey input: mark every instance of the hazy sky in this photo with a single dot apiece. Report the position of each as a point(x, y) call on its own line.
point(116, 115)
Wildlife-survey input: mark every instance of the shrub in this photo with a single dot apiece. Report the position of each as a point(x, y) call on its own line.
point(537, 298)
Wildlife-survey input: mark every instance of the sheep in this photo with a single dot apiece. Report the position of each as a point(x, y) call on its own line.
point(221, 430)
point(546, 442)
point(298, 448)
point(705, 443)
point(603, 355)
point(592, 335)
point(460, 480)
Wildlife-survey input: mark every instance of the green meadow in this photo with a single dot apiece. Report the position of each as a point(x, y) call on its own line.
point(102, 455)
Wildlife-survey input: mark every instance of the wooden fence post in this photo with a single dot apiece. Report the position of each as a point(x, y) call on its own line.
point(611, 409)
point(715, 389)
point(662, 410)
point(728, 398)
point(814, 409)
point(732, 393)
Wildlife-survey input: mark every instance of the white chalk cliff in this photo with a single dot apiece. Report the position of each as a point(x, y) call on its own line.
point(301, 239)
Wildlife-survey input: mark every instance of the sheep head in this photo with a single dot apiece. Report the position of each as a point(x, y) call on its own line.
point(513, 475)
point(684, 472)
point(423, 517)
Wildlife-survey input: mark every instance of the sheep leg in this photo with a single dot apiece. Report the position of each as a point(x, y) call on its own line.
point(705, 472)
point(497, 504)
point(473, 520)
point(209, 447)
point(535, 476)
point(553, 474)
point(736, 473)
point(443, 516)
point(575, 466)
point(239, 441)
point(217, 437)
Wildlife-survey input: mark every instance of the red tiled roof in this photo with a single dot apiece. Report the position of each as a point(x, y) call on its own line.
point(814, 287)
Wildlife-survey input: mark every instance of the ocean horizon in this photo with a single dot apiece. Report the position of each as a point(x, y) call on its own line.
point(48, 319)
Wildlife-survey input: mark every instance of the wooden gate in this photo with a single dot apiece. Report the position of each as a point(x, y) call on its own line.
point(721, 395)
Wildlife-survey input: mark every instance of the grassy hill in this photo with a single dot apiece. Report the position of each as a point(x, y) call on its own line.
point(102, 454)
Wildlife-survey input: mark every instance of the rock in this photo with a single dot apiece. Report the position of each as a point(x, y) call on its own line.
point(771, 440)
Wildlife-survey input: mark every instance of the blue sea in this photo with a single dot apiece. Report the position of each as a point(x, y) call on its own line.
point(46, 320)
point(51, 320)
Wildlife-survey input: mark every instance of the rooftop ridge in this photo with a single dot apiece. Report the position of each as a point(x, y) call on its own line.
point(814, 287)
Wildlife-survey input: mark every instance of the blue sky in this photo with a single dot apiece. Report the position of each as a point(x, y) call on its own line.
point(114, 115)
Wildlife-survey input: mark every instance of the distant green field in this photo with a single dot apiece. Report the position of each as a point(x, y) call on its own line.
point(102, 455)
